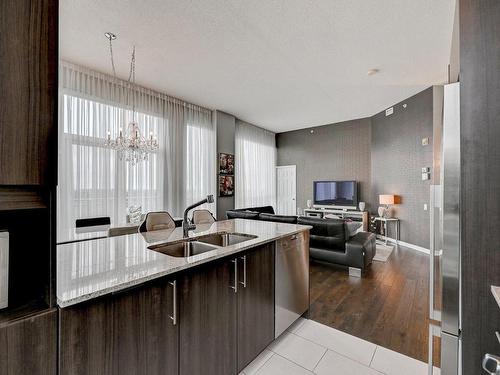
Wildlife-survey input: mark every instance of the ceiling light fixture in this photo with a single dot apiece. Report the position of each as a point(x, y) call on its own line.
point(131, 146)
point(110, 36)
point(372, 71)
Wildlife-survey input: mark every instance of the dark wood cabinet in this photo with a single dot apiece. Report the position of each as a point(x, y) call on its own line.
point(255, 303)
point(207, 319)
point(126, 333)
point(227, 313)
point(28, 346)
point(479, 199)
point(224, 319)
point(28, 98)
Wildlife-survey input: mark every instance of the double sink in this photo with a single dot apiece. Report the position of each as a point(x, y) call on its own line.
point(189, 247)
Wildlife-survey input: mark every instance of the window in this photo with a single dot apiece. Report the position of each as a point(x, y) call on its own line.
point(93, 181)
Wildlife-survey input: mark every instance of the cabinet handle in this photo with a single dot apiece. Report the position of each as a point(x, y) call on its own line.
point(244, 282)
point(174, 302)
point(235, 286)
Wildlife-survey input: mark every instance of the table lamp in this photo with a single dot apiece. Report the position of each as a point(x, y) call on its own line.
point(387, 200)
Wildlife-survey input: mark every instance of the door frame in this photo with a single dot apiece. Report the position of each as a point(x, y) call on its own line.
point(294, 167)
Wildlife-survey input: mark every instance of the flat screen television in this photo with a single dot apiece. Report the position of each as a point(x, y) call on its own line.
point(336, 193)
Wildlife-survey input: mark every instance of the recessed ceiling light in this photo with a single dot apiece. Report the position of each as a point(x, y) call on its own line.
point(110, 36)
point(372, 71)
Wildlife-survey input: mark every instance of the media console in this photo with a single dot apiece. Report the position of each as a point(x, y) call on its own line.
point(362, 216)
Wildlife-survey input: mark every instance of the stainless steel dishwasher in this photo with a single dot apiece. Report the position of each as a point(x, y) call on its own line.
point(292, 280)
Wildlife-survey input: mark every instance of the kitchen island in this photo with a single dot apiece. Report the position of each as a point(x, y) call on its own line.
point(126, 307)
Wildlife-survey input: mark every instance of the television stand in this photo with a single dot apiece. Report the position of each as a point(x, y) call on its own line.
point(354, 215)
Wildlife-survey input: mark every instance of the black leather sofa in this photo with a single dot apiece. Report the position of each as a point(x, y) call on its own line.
point(329, 239)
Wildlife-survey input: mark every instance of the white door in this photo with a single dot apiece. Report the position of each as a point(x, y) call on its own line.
point(286, 194)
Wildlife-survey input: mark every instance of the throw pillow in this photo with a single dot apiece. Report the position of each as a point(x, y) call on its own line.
point(352, 228)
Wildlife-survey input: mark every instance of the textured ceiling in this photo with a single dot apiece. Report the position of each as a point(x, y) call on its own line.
point(280, 64)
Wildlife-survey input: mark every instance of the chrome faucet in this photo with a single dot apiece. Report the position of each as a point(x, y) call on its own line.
point(186, 223)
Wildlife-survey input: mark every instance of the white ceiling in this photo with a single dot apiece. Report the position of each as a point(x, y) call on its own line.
point(280, 64)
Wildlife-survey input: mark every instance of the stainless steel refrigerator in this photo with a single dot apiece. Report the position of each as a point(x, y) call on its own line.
point(445, 267)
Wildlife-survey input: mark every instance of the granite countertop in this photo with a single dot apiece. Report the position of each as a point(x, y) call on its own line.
point(93, 268)
point(94, 232)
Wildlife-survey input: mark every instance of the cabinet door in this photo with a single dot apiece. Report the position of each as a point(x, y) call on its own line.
point(127, 333)
point(28, 95)
point(255, 303)
point(207, 319)
point(29, 346)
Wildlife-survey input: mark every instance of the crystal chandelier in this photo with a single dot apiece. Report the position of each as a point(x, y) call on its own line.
point(130, 145)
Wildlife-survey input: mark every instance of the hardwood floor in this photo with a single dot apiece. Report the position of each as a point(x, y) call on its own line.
point(388, 306)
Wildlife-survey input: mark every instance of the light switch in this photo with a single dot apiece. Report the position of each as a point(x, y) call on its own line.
point(425, 141)
point(426, 176)
point(425, 206)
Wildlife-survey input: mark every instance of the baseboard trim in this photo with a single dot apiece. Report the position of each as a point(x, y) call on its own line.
point(405, 244)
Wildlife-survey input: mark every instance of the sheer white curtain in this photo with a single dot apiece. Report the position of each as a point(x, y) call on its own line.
point(94, 182)
point(255, 166)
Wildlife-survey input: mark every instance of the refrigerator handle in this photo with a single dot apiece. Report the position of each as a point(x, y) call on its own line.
point(434, 331)
point(431, 262)
point(434, 203)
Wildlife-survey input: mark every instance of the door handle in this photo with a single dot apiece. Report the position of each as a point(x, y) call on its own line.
point(173, 317)
point(244, 282)
point(491, 364)
point(235, 286)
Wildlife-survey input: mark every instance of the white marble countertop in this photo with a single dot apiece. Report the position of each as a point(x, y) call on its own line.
point(93, 268)
point(495, 290)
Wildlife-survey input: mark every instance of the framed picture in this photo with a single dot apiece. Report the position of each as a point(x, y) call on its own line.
point(226, 163)
point(226, 186)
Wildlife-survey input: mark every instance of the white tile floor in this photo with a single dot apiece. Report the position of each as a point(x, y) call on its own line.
point(308, 348)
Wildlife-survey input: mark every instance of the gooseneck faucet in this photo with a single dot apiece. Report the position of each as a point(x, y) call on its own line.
point(186, 223)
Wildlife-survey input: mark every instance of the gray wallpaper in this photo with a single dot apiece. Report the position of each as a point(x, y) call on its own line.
point(397, 158)
point(332, 152)
point(384, 153)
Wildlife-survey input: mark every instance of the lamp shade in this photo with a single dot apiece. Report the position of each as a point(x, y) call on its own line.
point(388, 199)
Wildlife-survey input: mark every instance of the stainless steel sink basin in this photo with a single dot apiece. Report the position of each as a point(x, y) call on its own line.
point(225, 239)
point(183, 249)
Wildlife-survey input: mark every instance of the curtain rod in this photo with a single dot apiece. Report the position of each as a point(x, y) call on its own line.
point(124, 84)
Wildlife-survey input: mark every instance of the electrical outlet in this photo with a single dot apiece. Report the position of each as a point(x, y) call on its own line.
point(426, 176)
point(389, 111)
point(425, 206)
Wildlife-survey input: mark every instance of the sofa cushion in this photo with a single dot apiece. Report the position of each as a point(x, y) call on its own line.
point(278, 218)
point(261, 210)
point(325, 233)
point(242, 215)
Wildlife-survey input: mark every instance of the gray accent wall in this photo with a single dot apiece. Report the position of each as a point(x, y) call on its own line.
point(226, 127)
point(397, 158)
point(384, 153)
point(333, 152)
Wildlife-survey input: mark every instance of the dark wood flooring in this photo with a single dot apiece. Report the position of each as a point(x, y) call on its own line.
point(388, 306)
